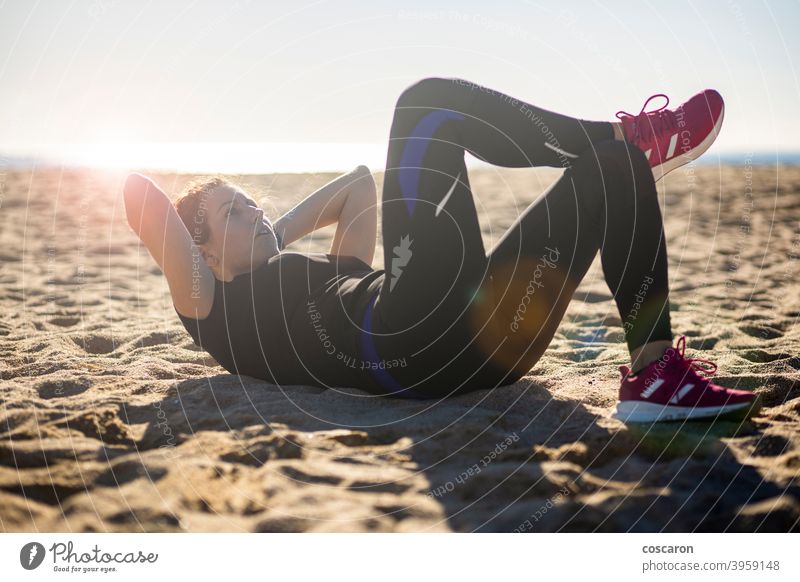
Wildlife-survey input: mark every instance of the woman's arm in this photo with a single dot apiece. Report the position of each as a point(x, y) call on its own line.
point(152, 216)
point(358, 221)
point(349, 200)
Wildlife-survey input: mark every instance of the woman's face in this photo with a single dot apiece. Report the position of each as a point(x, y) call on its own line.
point(242, 238)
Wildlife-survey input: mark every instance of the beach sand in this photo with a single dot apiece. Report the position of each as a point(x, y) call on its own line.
point(113, 420)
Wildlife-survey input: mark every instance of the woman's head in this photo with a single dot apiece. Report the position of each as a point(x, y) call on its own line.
point(227, 225)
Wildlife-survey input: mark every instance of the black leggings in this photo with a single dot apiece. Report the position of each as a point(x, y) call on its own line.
point(459, 319)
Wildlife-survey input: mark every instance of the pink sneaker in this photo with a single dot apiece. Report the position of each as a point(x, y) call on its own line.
point(671, 138)
point(676, 388)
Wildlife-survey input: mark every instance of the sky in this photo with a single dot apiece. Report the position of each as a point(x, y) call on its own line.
point(284, 84)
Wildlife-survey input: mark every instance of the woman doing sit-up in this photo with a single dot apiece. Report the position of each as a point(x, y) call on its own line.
point(444, 316)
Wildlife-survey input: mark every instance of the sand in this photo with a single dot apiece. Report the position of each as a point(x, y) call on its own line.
point(113, 420)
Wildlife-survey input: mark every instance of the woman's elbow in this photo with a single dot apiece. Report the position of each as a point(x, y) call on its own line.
point(135, 187)
point(366, 181)
point(140, 195)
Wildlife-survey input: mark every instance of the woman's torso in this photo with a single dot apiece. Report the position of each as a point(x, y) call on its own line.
point(293, 320)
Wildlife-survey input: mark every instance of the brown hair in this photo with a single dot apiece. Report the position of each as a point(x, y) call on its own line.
point(191, 206)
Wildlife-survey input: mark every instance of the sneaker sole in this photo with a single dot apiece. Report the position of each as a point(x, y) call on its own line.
point(648, 412)
point(686, 157)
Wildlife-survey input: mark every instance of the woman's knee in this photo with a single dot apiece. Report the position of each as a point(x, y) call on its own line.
point(415, 93)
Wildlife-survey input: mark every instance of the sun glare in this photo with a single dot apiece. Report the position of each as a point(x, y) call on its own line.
point(224, 157)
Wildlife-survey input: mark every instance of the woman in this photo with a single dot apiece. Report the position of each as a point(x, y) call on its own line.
point(444, 316)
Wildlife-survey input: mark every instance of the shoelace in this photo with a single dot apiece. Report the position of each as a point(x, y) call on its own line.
point(704, 368)
point(648, 123)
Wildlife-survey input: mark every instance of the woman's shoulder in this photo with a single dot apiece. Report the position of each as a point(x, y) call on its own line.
point(234, 290)
point(202, 316)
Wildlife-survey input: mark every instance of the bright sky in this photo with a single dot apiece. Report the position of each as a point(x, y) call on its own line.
point(109, 74)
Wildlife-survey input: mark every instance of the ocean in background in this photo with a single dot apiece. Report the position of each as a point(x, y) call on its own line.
point(264, 158)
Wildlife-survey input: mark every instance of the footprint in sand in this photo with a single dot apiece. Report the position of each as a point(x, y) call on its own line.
point(583, 334)
point(145, 519)
point(63, 388)
point(761, 331)
point(582, 354)
point(265, 449)
point(151, 339)
point(130, 470)
point(65, 321)
point(95, 343)
point(101, 424)
point(780, 389)
point(698, 343)
point(296, 474)
point(761, 356)
point(371, 487)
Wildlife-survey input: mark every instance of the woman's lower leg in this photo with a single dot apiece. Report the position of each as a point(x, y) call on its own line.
point(606, 200)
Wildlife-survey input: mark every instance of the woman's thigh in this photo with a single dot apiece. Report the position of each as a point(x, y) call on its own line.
point(433, 250)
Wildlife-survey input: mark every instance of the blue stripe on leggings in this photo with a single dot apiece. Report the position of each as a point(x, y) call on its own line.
point(369, 353)
point(414, 152)
point(411, 159)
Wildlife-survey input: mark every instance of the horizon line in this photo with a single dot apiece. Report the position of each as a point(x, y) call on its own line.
point(271, 157)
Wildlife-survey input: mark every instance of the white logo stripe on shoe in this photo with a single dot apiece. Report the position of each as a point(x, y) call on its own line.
point(673, 141)
point(684, 390)
point(648, 392)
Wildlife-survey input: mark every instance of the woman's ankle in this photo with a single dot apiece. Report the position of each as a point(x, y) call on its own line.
point(619, 132)
point(648, 353)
